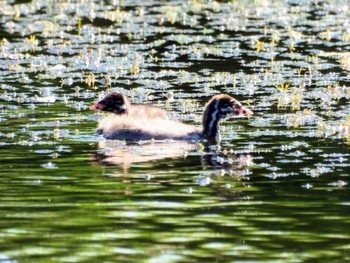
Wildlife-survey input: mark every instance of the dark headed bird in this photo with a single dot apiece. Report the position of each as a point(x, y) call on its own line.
point(118, 103)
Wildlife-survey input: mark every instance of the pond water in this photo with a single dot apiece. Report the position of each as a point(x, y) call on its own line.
point(274, 190)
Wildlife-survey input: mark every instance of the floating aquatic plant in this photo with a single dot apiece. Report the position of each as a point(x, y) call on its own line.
point(283, 87)
point(300, 118)
point(338, 130)
point(90, 80)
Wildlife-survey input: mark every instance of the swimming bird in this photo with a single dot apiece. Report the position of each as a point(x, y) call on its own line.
point(119, 104)
point(129, 128)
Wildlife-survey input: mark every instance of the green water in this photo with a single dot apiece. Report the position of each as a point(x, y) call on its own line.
point(274, 190)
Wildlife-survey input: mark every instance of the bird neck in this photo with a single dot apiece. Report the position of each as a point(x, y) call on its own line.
point(211, 119)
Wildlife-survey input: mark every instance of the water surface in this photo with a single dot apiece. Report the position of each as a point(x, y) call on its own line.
point(274, 190)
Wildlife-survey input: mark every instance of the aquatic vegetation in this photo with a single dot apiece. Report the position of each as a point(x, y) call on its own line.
point(340, 129)
point(344, 60)
point(300, 119)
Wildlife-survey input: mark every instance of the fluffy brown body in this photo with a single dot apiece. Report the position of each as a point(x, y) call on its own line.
point(137, 127)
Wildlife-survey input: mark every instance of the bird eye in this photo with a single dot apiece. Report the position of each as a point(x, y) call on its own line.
point(244, 111)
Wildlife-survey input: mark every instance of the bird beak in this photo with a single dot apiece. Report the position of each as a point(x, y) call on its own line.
point(97, 106)
point(245, 111)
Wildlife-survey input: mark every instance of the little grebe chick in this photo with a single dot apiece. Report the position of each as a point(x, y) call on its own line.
point(126, 127)
point(120, 105)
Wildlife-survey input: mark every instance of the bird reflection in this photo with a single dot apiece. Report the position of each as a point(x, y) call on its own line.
point(215, 157)
point(113, 152)
point(212, 157)
point(219, 169)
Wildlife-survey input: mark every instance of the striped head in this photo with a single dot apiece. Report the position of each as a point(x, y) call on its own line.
point(113, 102)
point(219, 107)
